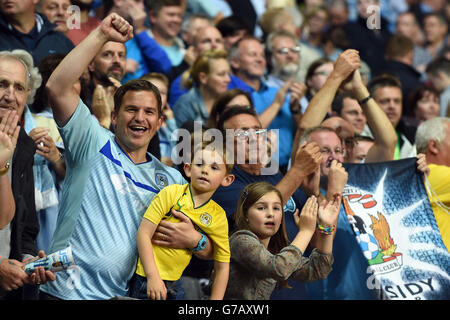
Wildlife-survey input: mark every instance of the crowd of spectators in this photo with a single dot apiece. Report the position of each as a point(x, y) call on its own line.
point(99, 89)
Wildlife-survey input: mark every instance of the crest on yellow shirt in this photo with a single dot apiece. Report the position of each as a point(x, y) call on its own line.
point(205, 219)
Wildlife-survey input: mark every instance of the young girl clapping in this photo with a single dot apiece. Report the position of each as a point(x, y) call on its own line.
point(261, 255)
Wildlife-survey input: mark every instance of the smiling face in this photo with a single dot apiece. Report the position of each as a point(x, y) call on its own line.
point(251, 61)
point(13, 86)
point(167, 22)
point(219, 77)
point(136, 122)
point(265, 216)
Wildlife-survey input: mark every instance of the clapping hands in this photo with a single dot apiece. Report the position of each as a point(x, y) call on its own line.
point(9, 133)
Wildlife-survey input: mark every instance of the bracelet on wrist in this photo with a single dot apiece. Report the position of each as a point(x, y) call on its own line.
point(364, 101)
point(61, 158)
point(327, 230)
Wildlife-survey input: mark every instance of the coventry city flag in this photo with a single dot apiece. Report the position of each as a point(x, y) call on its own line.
point(389, 211)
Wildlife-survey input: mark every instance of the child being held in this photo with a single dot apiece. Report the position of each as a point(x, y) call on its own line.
point(261, 256)
point(159, 268)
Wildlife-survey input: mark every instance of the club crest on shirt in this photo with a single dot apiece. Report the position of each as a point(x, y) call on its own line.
point(161, 180)
point(205, 219)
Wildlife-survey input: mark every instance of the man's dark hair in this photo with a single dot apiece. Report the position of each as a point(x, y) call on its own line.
point(231, 25)
point(438, 16)
point(136, 85)
point(383, 80)
point(156, 5)
point(316, 64)
point(398, 46)
point(234, 111)
point(338, 102)
point(221, 104)
point(440, 64)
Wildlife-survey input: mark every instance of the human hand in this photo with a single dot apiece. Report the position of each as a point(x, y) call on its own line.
point(101, 107)
point(307, 220)
point(137, 14)
point(422, 164)
point(131, 66)
point(329, 211)
point(298, 90)
point(308, 158)
point(311, 184)
point(281, 93)
point(355, 86)
point(337, 178)
point(12, 275)
point(41, 276)
point(156, 289)
point(115, 28)
point(9, 133)
point(181, 235)
point(347, 62)
point(46, 147)
point(190, 55)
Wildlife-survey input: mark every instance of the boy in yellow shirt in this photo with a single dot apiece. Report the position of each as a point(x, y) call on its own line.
point(159, 268)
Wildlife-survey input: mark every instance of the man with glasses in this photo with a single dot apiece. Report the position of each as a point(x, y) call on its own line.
point(283, 50)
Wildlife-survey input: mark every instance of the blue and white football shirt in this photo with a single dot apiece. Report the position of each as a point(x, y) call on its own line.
point(104, 199)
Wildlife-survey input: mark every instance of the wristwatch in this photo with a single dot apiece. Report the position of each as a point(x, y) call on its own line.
point(201, 244)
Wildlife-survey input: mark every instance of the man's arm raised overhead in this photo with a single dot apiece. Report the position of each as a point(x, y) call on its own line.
point(63, 98)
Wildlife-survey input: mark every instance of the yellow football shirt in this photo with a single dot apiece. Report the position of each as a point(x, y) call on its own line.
point(440, 182)
point(209, 218)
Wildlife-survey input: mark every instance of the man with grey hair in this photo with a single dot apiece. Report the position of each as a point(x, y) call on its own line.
point(283, 49)
point(433, 140)
point(19, 81)
point(191, 24)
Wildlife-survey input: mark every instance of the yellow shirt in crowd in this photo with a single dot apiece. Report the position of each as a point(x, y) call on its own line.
point(440, 182)
point(209, 219)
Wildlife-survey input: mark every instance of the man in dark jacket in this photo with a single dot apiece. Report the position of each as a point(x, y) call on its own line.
point(23, 28)
point(400, 56)
point(18, 239)
point(369, 34)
